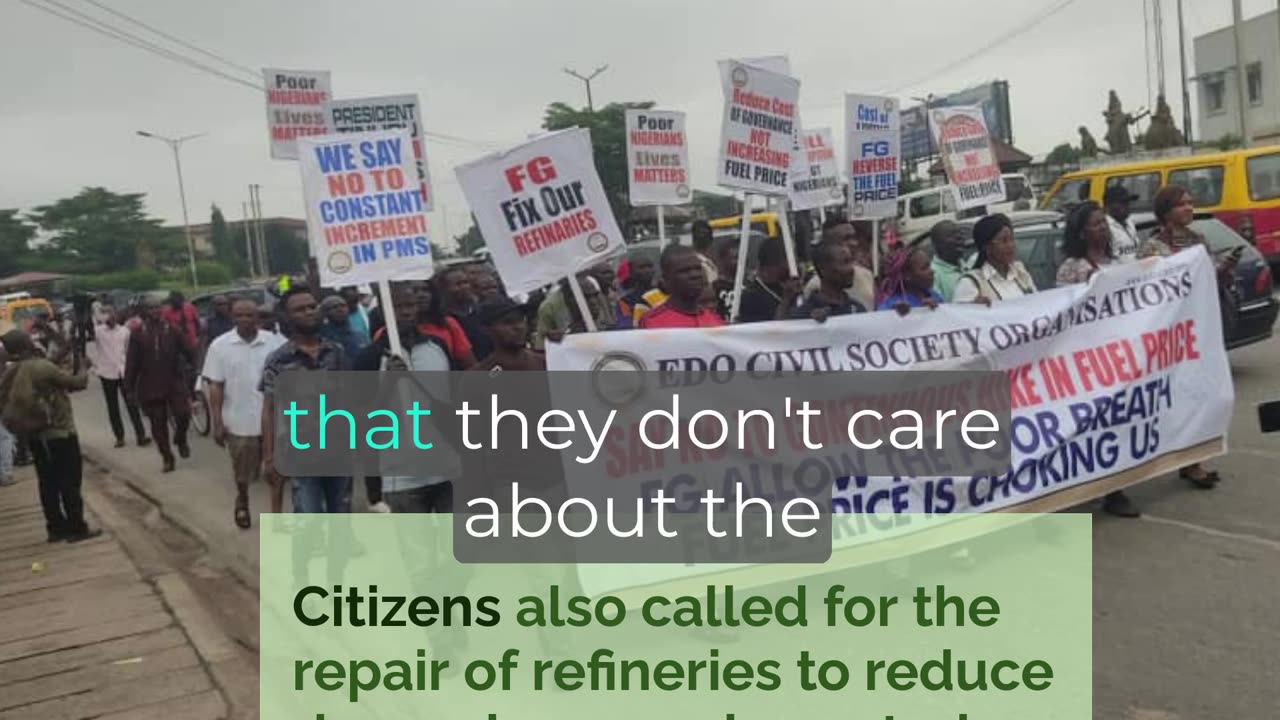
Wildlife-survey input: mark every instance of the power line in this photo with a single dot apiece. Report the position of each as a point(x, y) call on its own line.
point(90, 23)
point(1025, 26)
point(179, 41)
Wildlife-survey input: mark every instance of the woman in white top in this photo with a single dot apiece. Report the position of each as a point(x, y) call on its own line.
point(997, 274)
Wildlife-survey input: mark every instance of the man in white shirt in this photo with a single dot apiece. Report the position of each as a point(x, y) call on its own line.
point(107, 355)
point(1124, 236)
point(233, 369)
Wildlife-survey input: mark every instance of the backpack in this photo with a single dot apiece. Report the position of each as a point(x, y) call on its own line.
point(22, 409)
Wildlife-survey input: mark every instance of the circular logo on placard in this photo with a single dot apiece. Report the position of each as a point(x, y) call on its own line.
point(938, 117)
point(618, 390)
point(339, 261)
point(682, 191)
point(859, 209)
point(738, 77)
point(836, 192)
point(888, 105)
point(597, 242)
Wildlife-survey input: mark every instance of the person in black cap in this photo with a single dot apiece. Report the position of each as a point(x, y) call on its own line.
point(1124, 236)
point(507, 325)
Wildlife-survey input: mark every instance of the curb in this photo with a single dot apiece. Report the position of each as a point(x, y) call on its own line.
point(238, 566)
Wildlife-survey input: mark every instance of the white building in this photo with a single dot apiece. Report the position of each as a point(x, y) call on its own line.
point(1215, 77)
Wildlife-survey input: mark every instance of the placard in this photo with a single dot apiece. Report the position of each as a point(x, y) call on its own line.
point(758, 133)
point(872, 155)
point(389, 112)
point(365, 219)
point(819, 185)
point(295, 108)
point(968, 156)
point(657, 158)
point(541, 209)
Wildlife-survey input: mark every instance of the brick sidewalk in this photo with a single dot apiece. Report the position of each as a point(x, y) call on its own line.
point(84, 635)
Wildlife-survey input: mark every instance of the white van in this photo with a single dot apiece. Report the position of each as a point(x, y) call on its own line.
point(919, 211)
point(10, 297)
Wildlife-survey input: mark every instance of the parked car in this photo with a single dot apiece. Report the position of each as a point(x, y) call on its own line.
point(257, 294)
point(920, 210)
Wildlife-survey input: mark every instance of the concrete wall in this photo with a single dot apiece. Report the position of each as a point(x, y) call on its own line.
point(1215, 57)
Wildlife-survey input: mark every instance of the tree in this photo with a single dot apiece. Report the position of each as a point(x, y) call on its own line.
point(1063, 155)
point(286, 252)
point(97, 231)
point(15, 241)
point(224, 246)
point(471, 240)
point(608, 128)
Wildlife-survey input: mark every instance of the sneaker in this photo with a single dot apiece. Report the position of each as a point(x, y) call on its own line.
point(1119, 504)
point(57, 537)
point(168, 465)
point(119, 442)
point(4, 481)
point(184, 451)
point(144, 442)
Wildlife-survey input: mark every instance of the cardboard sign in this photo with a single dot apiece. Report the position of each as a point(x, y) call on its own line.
point(819, 185)
point(295, 108)
point(657, 158)
point(541, 209)
point(758, 134)
point(390, 112)
point(872, 155)
point(365, 219)
point(968, 156)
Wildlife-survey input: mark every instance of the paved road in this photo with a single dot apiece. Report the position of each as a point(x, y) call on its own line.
point(1184, 598)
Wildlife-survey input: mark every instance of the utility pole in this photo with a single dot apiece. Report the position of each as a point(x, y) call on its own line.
point(1237, 30)
point(255, 203)
point(175, 144)
point(248, 238)
point(587, 81)
point(1182, 64)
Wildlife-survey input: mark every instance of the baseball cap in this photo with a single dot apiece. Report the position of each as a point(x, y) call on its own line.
point(496, 308)
point(1117, 193)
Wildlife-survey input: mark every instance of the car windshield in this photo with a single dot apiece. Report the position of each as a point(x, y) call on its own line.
point(29, 312)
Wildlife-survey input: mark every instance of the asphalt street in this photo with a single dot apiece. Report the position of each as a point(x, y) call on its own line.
point(1184, 597)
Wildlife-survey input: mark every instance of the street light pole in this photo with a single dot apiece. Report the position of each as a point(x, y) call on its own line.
point(1242, 81)
point(175, 144)
point(1182, 64)
point(587, 81)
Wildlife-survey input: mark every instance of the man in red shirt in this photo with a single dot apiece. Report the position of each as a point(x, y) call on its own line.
point(685, 281)
point(182, 315)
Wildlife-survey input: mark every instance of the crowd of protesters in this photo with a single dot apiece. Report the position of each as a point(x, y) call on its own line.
point(463, 320)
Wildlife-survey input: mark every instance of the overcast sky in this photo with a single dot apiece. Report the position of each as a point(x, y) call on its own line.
point(71, 100)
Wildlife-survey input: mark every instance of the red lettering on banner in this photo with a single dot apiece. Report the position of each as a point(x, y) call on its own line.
point(538, 170)
point(1170, 346)
point(1022, 388)
point(1107, 365)
point(554, 232)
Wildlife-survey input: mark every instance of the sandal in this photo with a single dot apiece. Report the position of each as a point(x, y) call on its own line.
point(242, 515)
point(1207, 481)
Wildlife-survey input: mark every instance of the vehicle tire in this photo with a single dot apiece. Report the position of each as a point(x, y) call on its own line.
point(200, 414)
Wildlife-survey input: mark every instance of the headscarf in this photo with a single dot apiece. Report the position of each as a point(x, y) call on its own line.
point(893, 274)
point(984, 231)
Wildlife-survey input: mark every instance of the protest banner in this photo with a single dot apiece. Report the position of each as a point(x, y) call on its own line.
point(365, 219)
point(872, 140)
point(390, 112)
point(657, 158)
point(542, 210)
point(1111, 383)
point(968, 156)
point(820, 184)
point(756, 138)
point(295, 108)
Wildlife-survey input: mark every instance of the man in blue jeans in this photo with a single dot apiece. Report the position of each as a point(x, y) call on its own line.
point(307, 351)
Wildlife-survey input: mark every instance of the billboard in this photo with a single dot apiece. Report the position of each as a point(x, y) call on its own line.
point(992, 97)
